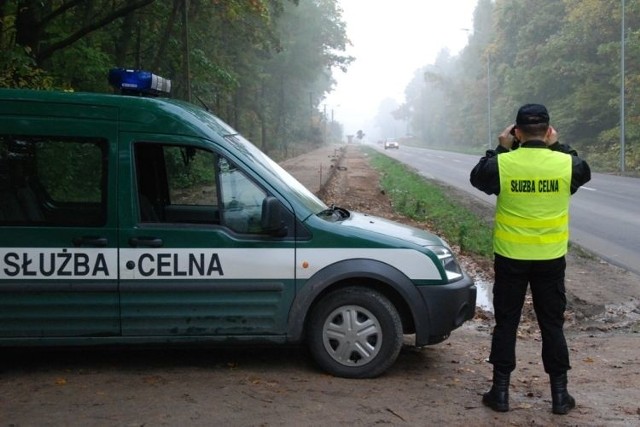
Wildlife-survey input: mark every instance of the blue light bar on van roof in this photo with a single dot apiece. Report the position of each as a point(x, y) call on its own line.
point(139, 82)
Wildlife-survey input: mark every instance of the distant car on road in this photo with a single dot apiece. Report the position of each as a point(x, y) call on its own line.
point(391, 143)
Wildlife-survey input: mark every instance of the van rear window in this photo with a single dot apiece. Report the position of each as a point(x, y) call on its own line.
point(56, 181)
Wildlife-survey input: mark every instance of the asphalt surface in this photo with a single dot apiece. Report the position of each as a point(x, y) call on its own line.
point(605, 213)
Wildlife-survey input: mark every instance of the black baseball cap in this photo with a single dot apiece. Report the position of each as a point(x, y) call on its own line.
point(532, 114)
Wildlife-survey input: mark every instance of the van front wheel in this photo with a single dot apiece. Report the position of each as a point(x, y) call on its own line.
point(355, 333)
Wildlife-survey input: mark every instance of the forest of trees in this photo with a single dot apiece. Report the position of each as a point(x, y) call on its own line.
point(263, 66)
point(565, 54)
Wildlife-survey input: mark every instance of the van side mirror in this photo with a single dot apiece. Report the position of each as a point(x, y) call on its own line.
point(272, 222)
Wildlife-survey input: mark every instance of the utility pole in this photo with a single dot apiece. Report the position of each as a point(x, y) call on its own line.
point(489, 99)
point(324, 115)
point(185, 47)
point(622, 66)
point(489, 136)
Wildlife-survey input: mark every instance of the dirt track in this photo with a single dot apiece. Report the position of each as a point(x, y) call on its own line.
point(439, 385)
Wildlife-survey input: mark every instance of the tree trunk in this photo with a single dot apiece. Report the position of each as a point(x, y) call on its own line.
point(28, 29)
point(166, 35)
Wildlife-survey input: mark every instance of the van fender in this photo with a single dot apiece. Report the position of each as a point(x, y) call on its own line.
point(355, 269)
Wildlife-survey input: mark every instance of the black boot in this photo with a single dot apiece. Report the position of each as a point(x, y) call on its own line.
point(498, 397)
point(562, 401)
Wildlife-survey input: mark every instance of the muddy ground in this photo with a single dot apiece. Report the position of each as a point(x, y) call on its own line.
point(437, 385)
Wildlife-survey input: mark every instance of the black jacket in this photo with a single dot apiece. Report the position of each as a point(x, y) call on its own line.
point(485, 176)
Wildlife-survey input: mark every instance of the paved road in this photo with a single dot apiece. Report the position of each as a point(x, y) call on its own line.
point(605, 214)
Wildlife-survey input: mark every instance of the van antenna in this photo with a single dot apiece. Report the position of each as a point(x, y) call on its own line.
point(204, 104)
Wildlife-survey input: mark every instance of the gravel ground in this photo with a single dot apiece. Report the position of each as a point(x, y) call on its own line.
point(436, 385)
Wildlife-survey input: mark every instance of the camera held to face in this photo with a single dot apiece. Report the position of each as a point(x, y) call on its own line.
point(516, 141)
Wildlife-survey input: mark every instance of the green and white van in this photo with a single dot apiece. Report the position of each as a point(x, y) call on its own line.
point(136, 220)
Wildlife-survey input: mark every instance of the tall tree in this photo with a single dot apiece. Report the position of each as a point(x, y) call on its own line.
point(563, 53)
point(38, 24)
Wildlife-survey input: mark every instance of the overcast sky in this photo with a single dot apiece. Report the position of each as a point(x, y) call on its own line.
point(391, 39)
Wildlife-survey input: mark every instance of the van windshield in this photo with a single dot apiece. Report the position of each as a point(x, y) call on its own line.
point(310, 200)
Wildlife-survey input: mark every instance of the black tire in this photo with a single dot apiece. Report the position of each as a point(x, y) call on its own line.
point(355, 332)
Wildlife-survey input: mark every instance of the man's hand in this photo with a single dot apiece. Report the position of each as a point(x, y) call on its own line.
point(505, 138)
point(551, 137)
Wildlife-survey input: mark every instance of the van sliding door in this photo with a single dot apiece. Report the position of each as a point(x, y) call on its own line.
point(195, 259)
point(58, 238)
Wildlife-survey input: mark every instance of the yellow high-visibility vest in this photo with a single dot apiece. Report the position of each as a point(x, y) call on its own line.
point(532, 211)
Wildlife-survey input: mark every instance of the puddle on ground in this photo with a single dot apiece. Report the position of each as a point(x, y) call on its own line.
point(484, 297)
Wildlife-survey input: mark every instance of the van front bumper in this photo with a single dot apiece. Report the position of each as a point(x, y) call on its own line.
point(449, 306)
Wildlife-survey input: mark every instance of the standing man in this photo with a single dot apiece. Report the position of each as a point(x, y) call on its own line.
point(533, 176)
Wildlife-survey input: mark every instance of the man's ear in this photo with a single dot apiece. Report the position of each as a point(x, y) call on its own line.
point(518, 134)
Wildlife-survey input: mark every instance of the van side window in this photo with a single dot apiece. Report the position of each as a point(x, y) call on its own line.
point(176, 184)
point(184, 184)
point(53, 181)
point(242, 199)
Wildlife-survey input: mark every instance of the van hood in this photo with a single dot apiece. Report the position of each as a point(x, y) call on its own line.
point(391, 228)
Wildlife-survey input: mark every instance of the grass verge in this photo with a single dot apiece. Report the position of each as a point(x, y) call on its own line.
point(415, 197)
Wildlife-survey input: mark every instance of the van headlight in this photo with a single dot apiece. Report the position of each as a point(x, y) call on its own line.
point(449, 262)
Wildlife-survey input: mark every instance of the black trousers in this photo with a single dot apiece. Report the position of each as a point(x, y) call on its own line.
point(546, 279)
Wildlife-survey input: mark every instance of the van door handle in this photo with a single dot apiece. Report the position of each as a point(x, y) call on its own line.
point(95, 241)
point(150, 242)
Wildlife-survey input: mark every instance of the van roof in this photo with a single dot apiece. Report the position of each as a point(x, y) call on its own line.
point(158, 115)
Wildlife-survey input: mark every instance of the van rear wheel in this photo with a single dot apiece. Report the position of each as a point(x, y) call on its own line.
point(355, 333)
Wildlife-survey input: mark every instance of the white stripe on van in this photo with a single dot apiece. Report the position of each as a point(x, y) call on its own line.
point(58, 263)
point(196, 263)
point(413, 264)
